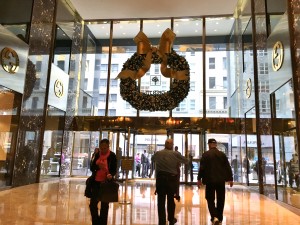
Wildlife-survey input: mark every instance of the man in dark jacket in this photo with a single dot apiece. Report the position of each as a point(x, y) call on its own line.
point(214, 171)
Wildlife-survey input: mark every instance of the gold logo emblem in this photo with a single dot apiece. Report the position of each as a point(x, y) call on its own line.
point(277, 56)
point(248, 88)
point(9, 60)
point(59, 88)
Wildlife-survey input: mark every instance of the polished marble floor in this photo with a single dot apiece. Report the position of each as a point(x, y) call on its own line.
point(61, 202)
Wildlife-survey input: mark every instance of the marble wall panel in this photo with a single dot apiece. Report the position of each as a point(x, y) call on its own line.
point(31, 127)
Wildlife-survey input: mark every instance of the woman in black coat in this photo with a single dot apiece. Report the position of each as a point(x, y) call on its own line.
point(103, 167)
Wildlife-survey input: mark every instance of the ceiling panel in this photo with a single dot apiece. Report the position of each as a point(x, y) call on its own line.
point(125, 9)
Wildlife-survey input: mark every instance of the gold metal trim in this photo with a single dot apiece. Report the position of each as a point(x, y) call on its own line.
point(59, 88)
point(10, 60)
point(248, 88)
point(277, 56)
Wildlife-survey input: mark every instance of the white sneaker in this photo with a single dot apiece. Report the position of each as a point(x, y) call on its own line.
point(215, 221)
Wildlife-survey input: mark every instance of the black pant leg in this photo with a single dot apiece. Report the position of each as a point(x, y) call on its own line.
point(161, 208)
point(171, 206)
point(210, 191)
point(95, 187)
point(94, 211)
point(104, 213)
point(161, 199)
point(220, 190)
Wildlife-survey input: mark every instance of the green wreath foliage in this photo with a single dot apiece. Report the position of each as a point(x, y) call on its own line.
point(155, 101)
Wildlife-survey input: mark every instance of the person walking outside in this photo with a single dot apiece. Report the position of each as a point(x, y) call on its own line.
point(214, 172)
point(235, 166)
point(104, 166)
point(167, 161)
point(145, 162)
point(138, 164)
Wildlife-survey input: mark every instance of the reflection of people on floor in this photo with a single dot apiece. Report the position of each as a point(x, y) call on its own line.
point(143, 189)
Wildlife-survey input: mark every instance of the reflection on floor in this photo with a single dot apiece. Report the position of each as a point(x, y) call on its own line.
point(62, 202)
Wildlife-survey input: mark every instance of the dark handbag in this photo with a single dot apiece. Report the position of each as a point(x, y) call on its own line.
point(109, 191)
point(88, 187)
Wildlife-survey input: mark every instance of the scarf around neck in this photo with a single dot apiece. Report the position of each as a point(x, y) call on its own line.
point(102, 172)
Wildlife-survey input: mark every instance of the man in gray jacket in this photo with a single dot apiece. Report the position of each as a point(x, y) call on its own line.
point(167, 162)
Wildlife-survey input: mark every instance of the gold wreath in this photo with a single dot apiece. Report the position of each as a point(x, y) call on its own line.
point(144, 47)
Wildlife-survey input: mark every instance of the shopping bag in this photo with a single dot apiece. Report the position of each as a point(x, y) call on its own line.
point(88, 187)
point(109, 191)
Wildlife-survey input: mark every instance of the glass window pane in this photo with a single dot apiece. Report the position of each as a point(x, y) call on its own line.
point(217, 67)
point(99, 73)
point(188, 44)
point(123, 49)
